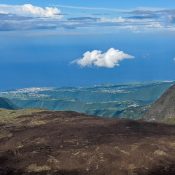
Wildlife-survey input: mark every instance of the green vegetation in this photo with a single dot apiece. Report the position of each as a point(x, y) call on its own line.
point(163, 110)
point(170, 120)
point(10, 116)
point(118, 101)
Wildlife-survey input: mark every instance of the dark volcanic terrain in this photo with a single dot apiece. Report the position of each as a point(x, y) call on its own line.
point(69, 143)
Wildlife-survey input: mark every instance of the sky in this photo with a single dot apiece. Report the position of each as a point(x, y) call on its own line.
point(84, 43)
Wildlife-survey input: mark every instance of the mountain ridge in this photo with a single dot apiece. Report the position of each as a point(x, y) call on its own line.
point(164, 108)
point(6, 104)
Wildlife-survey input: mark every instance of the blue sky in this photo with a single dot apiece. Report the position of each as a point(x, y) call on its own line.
point(98, 3)
point(77, 43)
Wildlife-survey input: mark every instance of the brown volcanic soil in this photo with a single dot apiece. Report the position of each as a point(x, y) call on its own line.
point(69, 143)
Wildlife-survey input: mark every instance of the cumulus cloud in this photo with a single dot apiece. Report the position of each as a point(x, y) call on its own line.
point(108, 59)
point(30, 10)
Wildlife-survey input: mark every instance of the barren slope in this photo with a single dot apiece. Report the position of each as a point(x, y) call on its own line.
point(69, 143)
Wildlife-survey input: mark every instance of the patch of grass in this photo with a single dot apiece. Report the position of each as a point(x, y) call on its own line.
point(10, 116)
point(160, 153)
point(170, 120)
point(37, 123)
point(36, 168)
point(5, 134)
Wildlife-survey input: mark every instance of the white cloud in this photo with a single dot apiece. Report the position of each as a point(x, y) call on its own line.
point(30, 11)
point(108, 59)
point(115, 20)
point(29, 17)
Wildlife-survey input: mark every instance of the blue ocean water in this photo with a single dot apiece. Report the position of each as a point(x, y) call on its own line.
point(28, 60)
